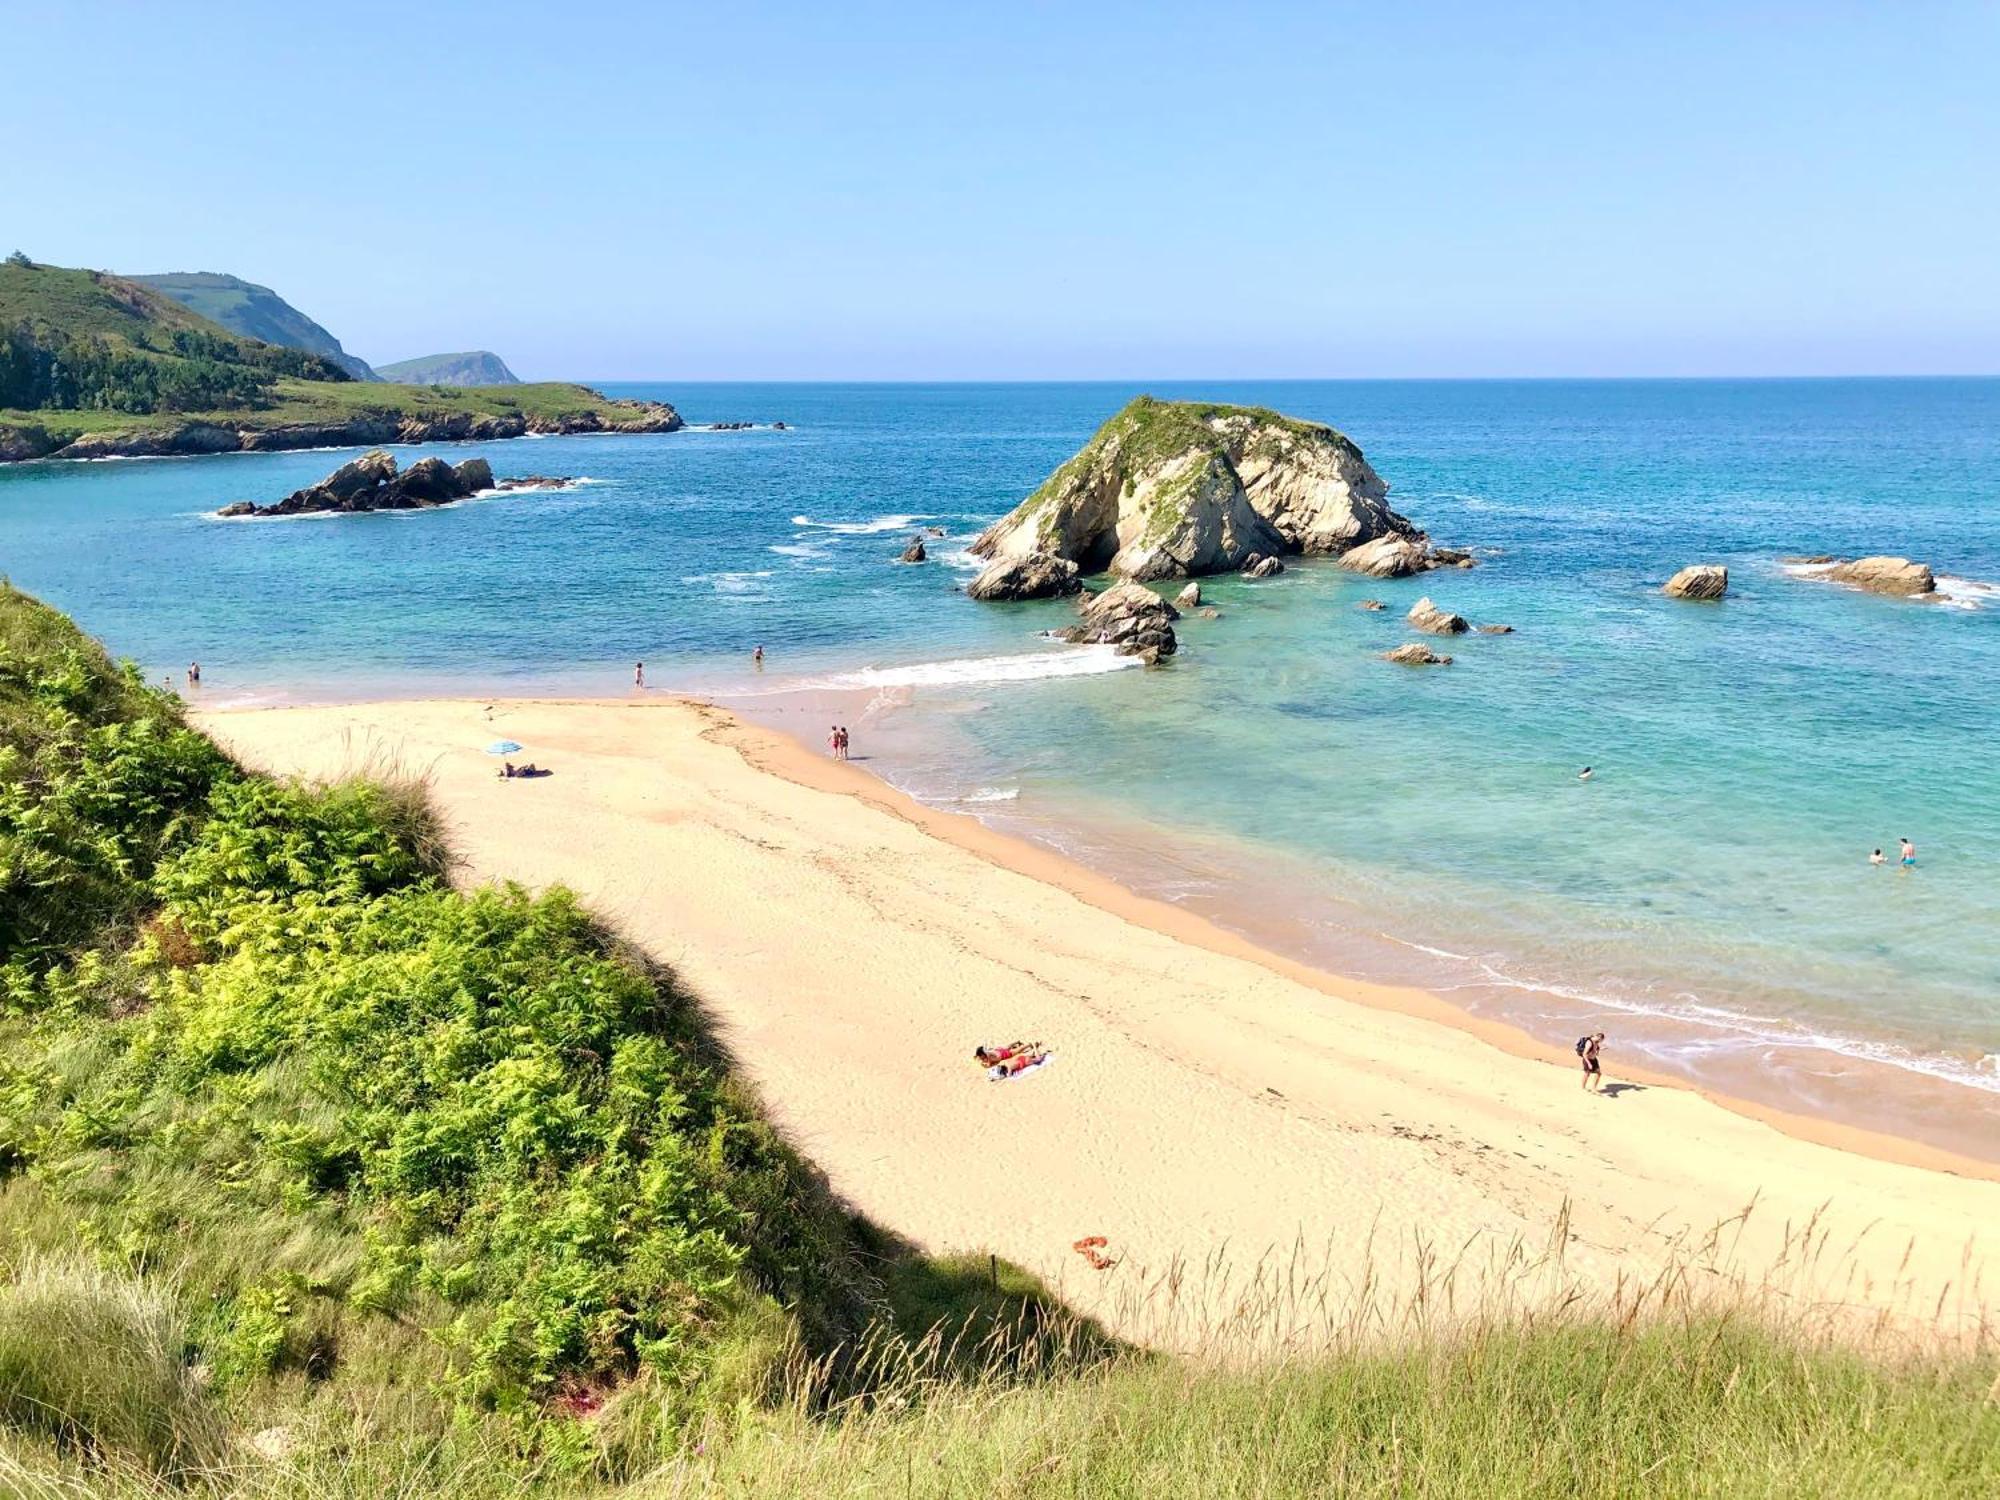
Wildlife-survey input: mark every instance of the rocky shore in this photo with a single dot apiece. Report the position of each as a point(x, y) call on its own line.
point(19, 443)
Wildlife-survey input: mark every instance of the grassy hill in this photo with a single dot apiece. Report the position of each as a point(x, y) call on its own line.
point(255, 312)
point(472, 367)
point(320, 1177)
point(94, 365)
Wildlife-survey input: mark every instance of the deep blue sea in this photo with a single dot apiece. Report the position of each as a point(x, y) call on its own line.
point(1707, 897)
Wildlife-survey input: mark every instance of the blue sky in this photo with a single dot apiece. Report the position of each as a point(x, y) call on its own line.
point(877, 191)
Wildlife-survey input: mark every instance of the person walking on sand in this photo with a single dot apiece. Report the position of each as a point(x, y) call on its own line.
point(843, 742)
point(1909, 859)
point(1593, 1068)
point(833, 740)
point(638, 674)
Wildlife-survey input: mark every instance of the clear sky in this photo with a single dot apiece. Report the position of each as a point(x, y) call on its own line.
point(1024, 190)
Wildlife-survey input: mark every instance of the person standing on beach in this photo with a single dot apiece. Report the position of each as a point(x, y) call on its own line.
point(1593, 1068)
point(638, 674)
point(833, 740)
point(843, 742)
point(194, 674)
point(1909, 859)
point(757, 657)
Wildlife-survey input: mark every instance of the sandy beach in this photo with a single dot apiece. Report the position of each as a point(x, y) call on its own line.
point(1219, 1114)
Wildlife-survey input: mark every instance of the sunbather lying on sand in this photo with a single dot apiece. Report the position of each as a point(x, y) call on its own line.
point(1019, 1062)
point(986, 1057)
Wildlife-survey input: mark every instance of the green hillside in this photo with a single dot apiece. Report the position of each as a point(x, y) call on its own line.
point(255, 312)
point(472, 367)
point(94, 365)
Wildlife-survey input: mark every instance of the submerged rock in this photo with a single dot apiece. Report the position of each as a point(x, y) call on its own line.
point(1885, 575)
point(1371, 604)
point(1131, 618)
point(1427, 616)
point(1416, 654)
point(1699, 581)
point(914, 553)
point(1496, 630)
point(1169, 489)
point(1039, 575)
point(371, 482)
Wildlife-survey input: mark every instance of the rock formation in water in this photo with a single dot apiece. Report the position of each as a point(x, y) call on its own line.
point(1189, 597)
point(914, 553)
point(1387, 557)
point(1257, 566)
point(1885, 575)
point(371, 482)
point(1416, 654)
point(1038, 575)
point(1699, 581)
point(1130, 617)
point(1170, 489)
point(1426, 616)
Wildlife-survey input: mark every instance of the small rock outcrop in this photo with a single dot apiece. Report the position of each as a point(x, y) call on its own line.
point(1496, 630)
point(1189, 597)
point(914, 553)
point(371, 482)
point(1038, 575)
point(1387, 557)
point(1699, 581)
point(1885, 575)
point(1131, 618)
point(1371, 604)
point(1416, 654)
point(1427, 617)
point(1262, 567)
point(1177, 489)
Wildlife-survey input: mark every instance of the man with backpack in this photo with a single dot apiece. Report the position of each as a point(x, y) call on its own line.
point(1593, 1070)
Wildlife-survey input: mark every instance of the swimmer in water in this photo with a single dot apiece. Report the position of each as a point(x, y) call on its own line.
point(1585, 774)
point(1878, 858)
point(1909, 858)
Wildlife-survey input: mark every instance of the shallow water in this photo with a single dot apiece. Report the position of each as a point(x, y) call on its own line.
point(1708, 892)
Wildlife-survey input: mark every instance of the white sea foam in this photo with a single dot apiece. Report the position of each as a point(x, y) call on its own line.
point(861, 528)
point(1079, 661)
point(1733, 1029)
point(992, 794)
point(798, 549)
point(964, 561)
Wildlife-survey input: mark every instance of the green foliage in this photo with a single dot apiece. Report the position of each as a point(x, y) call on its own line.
point(84, 341)
point(98, 779)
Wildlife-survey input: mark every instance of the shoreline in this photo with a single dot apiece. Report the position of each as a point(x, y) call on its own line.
point(1229, 1117)
point(780, 754)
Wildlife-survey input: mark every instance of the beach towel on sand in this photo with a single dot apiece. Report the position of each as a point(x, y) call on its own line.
point(1001, 1075)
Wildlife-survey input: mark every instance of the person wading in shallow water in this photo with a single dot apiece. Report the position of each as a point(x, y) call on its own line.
point(638, 674)
point(1593, 1069)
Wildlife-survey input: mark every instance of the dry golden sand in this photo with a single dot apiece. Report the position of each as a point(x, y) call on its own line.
point(1212, 1109)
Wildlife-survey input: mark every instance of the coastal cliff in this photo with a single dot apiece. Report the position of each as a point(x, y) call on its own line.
point(1170, 489)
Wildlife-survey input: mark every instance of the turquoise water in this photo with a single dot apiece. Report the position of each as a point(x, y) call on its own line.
point(1707, 894)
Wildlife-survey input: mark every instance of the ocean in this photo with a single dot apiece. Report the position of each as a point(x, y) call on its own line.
point(1706, 898)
